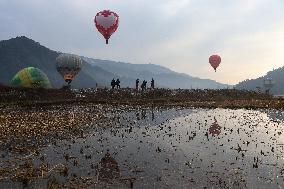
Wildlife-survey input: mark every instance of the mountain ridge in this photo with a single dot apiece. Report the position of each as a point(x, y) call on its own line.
point(20, 52)
point(257, 84)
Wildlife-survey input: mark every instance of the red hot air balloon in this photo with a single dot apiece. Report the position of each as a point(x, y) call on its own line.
point(215, 60)
point(107, 23)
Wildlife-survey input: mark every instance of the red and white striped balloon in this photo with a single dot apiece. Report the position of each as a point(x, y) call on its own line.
point(107, 23)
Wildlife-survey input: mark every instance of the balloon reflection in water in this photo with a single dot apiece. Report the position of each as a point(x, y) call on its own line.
point(109, 168)
point(215, 129)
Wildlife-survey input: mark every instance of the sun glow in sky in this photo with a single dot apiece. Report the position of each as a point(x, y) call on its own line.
point(178, 34)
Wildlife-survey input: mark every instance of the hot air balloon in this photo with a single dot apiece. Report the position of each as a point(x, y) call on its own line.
point(215, 60)
point(68, 65)
point(31, 78)
point(107, 23)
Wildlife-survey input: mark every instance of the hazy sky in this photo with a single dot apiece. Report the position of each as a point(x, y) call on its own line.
point(178, 34)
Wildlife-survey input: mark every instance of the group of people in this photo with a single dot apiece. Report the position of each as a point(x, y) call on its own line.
point(115, 83)
point(144, 84)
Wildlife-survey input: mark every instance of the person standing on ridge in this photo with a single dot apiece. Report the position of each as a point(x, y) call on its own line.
point(117, 84)
point(144, 85)
point(112, 83)
point(137, 84)
point(152, 83)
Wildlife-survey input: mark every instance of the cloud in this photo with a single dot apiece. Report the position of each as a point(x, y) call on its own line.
point(172, 7)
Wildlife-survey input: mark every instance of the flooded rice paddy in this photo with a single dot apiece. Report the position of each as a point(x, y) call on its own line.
point(159, 148)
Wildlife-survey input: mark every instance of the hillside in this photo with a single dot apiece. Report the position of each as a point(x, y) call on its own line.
point(277, 75)
point(20, 52)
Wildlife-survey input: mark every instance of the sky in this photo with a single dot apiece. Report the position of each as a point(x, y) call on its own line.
point(178, 34)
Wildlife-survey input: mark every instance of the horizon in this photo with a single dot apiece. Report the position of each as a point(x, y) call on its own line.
point(179, 36)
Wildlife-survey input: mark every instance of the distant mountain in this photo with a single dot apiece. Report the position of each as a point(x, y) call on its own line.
point(163, 77)
point(127, 68)
point(20, 52)
point(253, 84)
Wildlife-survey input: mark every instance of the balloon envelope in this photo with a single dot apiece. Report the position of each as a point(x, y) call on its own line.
point(68, 65)
point(215, 61)
point(107, 23)
point(31, 78)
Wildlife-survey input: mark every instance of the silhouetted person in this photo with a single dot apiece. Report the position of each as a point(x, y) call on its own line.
point(113, 83)
point(137, 84)
point(117, 83)
point(144, 85)
point(152, 83)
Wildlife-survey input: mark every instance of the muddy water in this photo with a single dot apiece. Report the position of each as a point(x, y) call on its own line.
point(168, 148)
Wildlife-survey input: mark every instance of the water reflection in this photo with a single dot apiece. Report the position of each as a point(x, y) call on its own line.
point(215, 129)
point(108, 168)
point(153, 115)
point(172, 151)
point(142, 114)
point(275, 115)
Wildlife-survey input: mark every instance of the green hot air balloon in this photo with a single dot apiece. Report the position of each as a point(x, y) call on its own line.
point(31, 78)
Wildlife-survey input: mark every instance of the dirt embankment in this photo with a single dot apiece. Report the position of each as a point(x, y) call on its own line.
point(222, 98)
